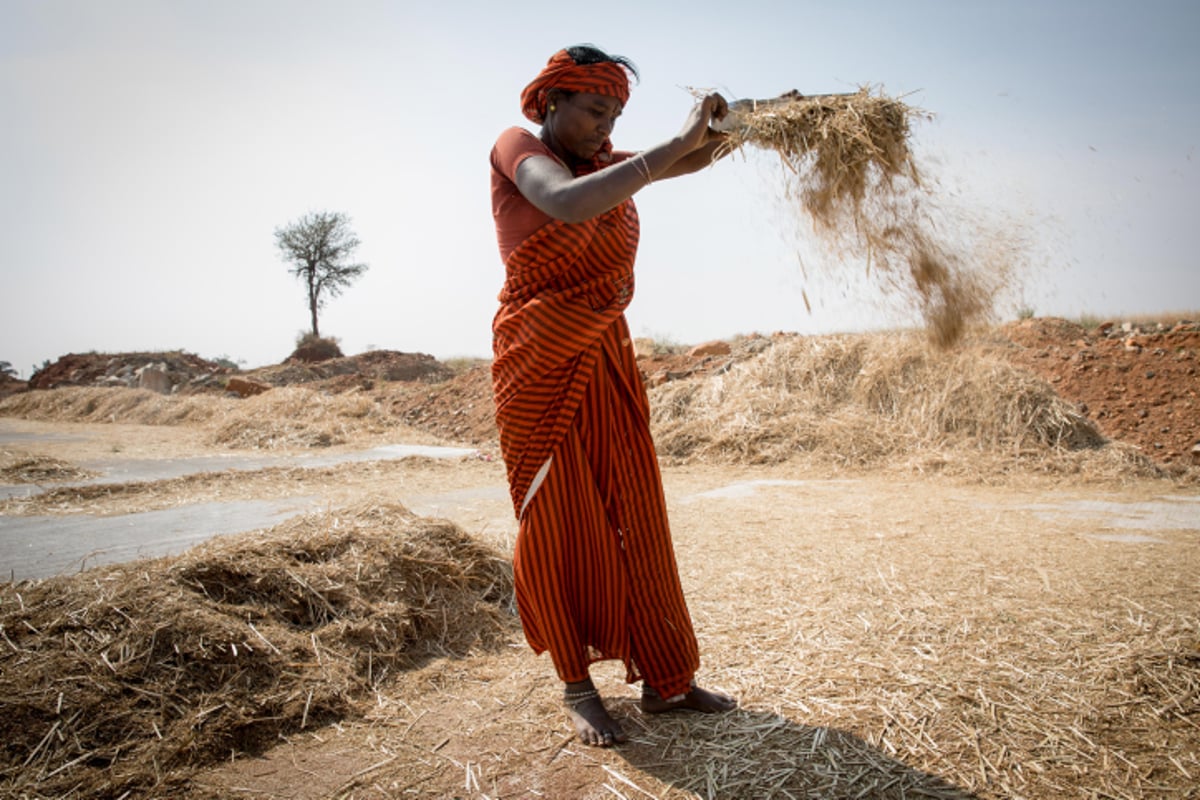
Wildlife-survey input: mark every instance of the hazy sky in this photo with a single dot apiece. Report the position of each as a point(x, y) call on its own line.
point(149, 150)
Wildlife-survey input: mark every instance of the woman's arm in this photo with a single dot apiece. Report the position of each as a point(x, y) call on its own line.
point(552, 188)
point(697, 159)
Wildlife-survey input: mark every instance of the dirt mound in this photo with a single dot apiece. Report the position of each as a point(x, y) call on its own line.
point(1139, 384)
point(187, 373)
point(459, 409)
point(112, 679)
point(183, 370)
point(10, 385)
point(358, 371)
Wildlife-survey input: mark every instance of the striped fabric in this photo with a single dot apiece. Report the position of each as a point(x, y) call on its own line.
point(561, 72)
point(595, 569)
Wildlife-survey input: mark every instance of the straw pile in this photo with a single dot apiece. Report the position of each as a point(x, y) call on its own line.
point(299, 417)
point(111, 404)
point(38, 469)
point(113, 679)
point(867, 400)
point(285, 417)
point(849, 168)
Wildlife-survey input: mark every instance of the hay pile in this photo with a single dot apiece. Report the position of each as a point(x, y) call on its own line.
point(300, 417)
point(111, 404)
point(285, 417)
point(115, 678)
point(38, 469)
point(850, 169)
point(869, 400)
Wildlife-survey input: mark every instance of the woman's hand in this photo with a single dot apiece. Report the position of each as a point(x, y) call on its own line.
point(697, 131)
point(553, 189)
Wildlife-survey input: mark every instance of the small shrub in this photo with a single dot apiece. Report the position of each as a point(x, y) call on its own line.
point(312, 349)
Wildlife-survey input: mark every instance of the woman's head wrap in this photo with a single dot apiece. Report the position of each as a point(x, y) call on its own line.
point(561, 72)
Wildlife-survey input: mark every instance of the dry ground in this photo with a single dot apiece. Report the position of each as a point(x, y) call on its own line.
point(938, 618)
point(888, 636)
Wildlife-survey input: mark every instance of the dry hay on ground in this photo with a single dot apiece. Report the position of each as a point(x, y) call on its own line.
point(887, 639)
point(1008, 661)
point(856, 400)
point(299, 417)
point(113, 679)
point(111, 404)
point(15, 469)
point(849, 168)
point(871, 400)
point(286, 417)
point(344, 480)
point(1013, 659)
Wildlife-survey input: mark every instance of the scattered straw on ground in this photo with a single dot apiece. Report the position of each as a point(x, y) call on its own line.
point(887, 639)
point(16, 468)
point(111, 679)
point(850, 169)
point(337, 485)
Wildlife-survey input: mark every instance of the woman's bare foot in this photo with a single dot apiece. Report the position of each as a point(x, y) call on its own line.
point(593, 725)
point(696, 699)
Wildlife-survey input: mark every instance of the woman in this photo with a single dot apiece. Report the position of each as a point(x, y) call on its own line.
point(595, 569)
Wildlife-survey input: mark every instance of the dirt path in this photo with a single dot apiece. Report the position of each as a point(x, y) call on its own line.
point(888, 636)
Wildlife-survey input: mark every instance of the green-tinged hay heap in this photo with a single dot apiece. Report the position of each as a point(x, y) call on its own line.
point(117, 676)
point(867, 400)
point(850, 169)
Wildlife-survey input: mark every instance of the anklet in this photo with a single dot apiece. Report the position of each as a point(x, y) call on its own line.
point(575, 699)
point(650, 691)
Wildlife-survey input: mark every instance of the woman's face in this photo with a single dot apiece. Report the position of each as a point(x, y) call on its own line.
point(582, 122)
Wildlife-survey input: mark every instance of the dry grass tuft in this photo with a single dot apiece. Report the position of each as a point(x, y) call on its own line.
point(111, 679)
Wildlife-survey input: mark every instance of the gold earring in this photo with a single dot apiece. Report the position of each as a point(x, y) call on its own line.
point(552, 107)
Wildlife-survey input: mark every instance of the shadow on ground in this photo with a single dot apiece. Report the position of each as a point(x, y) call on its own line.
point(759, 754)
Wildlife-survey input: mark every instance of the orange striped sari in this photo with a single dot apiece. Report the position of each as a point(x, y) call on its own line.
point(595, 569)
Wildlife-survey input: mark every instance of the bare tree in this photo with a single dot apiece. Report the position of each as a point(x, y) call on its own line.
point(318, 246)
